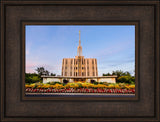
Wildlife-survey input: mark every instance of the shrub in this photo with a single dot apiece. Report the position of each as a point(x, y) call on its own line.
point(111, 86)
point(35, 86)
point(53, 83)
point(122, 85)
point(79, 85)
point(132, 79)
point(67, 86)
point(100, 86)
point(32, 78)
point(117, 86)
point(126, 79)
point(95, 83)
point(100, 82)
point(105, 83)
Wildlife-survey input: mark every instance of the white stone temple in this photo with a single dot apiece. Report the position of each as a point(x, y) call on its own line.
point(79, 69)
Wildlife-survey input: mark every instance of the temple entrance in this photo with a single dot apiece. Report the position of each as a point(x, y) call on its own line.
point(79, 80)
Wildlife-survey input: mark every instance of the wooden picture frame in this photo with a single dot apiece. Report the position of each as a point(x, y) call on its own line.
point(16, 107)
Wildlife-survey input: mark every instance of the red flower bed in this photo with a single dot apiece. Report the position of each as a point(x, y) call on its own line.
point(81, 90)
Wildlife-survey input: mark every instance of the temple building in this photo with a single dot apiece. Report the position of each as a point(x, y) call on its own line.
point(79, 66)
point(79, 69)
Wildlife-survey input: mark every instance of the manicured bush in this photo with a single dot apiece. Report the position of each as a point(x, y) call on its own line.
point(53, 83)
point(80, 85)
point(126, 79)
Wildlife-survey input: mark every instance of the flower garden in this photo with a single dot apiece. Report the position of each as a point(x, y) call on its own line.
point(79, 87)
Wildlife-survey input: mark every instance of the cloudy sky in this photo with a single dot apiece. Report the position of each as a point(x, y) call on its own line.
point(113, 46)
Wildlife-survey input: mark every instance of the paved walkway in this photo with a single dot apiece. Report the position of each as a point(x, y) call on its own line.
point(81, 94)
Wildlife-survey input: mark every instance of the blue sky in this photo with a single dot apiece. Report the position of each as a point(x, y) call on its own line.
point(112, 45)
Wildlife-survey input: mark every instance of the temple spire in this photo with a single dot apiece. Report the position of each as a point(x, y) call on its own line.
point(79, 49)
point(79, 38)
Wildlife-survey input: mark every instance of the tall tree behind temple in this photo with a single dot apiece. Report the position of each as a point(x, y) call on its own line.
point(41, 71)
point(118, 73)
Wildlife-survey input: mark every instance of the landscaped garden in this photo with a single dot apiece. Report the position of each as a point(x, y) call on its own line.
point(125, 84)
point(79, 87)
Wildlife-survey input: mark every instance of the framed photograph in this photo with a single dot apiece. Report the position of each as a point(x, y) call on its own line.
point(80, 61)
point(80, 76)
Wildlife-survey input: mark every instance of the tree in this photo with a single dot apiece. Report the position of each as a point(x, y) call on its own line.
point(46, 72)
point(108, 74)
point(41, 71)
point(53, 74)
point(127, 73)
point(122, 77)
point(118, 73)
point(35, 79)
point(27, 78)
point(32, 78)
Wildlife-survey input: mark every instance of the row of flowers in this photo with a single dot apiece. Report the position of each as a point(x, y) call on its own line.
point(80, 85)
point(81, 90)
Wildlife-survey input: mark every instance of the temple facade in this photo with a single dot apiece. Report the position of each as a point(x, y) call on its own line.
point(79, 66)
point(79, 69)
